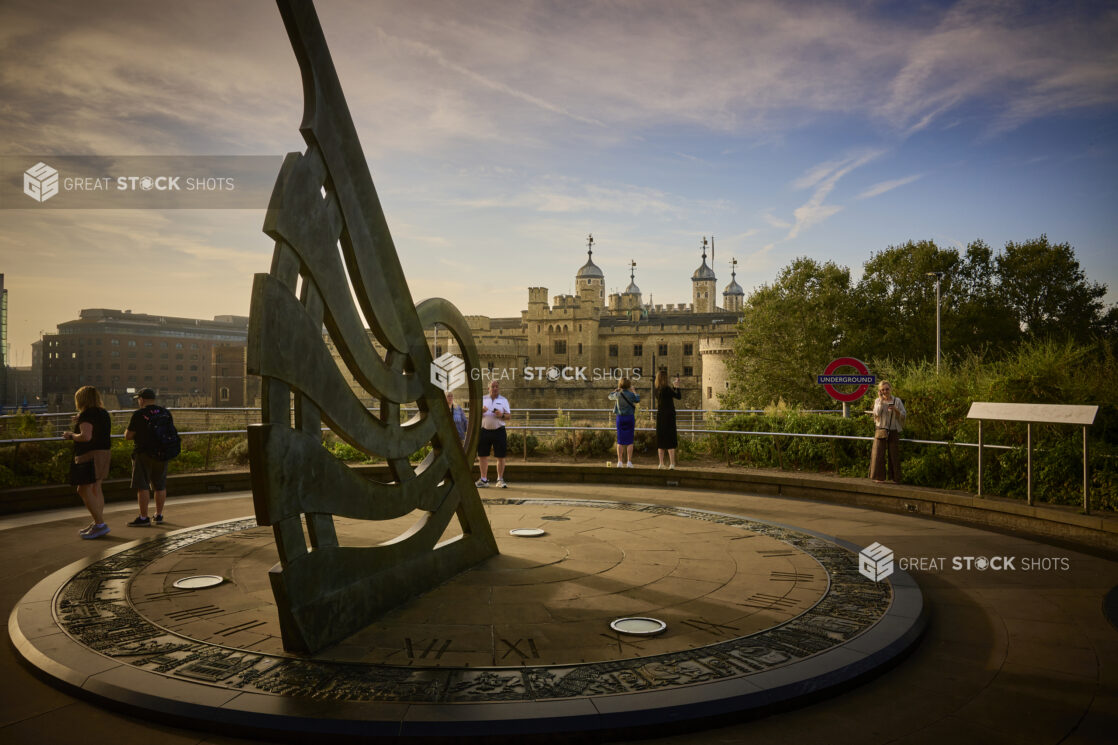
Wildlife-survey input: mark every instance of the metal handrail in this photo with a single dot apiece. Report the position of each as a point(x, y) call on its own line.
point(553, 428)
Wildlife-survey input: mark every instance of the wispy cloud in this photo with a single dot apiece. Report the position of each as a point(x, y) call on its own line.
point(574, 197)
point(881, 187)
point(1017, 62)
point(775, 221)
point(822, 178)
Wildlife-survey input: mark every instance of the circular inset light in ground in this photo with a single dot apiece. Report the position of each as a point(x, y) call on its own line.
point(639, 626)
point(198, 582)
point(527, 532)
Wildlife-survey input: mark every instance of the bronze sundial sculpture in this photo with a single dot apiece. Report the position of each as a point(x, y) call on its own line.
point(331, 234)
point(758, 614)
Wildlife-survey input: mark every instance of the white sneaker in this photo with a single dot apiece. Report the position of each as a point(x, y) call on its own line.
point(661, 467)
point(671, 467)
point(619, 465)
point(481, 483)
point(501, 484)
point(629, 464)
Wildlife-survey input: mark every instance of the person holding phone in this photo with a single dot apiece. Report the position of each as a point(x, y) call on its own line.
point(667, 438)
point(625, 407)
point(495, 414)
point(888, 418)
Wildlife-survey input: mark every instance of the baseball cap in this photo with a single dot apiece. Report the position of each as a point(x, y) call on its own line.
point(145, 393)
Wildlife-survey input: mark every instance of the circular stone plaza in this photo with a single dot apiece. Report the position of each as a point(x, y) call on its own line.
point(794, 609)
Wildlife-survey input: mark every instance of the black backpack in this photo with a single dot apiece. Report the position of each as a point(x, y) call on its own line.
point(162, 435)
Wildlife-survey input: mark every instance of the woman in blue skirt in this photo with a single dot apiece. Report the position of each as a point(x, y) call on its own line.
point(625, 407)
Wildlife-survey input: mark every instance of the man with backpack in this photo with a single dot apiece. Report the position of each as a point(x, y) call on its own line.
point(152, 430)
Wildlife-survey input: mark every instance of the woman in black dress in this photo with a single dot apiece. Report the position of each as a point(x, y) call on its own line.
point(666, 437)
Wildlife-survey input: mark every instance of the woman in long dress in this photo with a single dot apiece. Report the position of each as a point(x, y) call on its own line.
point(667, 438)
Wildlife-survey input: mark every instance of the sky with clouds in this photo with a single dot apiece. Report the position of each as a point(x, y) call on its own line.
point(500, 134)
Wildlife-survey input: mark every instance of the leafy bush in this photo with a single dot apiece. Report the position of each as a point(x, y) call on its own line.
point(516, 444)
point(848, 457)
point(345, 452)
point(583, 443)
point(238, 454)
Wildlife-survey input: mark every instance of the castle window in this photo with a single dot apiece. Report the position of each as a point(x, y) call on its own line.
point(560, 346)
point(612, 350)
point(662, 350)
point(539, 349)
point(688, 372)
point(580, 348)
point(688, 349)
point(224, 394)
point(638, 350)
point(710, 392)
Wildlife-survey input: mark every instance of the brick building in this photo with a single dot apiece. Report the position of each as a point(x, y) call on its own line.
point(120, 352)
point(231, 386)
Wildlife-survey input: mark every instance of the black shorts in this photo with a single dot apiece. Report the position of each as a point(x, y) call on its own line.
point(493, 439)
point(148, 474)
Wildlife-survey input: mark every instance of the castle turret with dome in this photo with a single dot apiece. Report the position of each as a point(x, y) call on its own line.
point(590, 282)
point(703, 283)
point(733, 297)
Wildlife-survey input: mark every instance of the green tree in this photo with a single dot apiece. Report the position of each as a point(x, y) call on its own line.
point(979, 319)
point(896, 301)
point(1049, 294)
point(790, 330)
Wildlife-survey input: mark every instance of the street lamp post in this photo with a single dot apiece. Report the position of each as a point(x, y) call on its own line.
point(938, 276)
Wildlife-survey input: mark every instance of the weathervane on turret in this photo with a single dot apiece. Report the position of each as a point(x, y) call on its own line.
point(590, 245)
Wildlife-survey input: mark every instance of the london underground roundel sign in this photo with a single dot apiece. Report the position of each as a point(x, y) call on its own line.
point(862, 379)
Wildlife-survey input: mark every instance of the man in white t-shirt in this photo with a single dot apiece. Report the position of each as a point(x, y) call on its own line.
point(495, 413)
